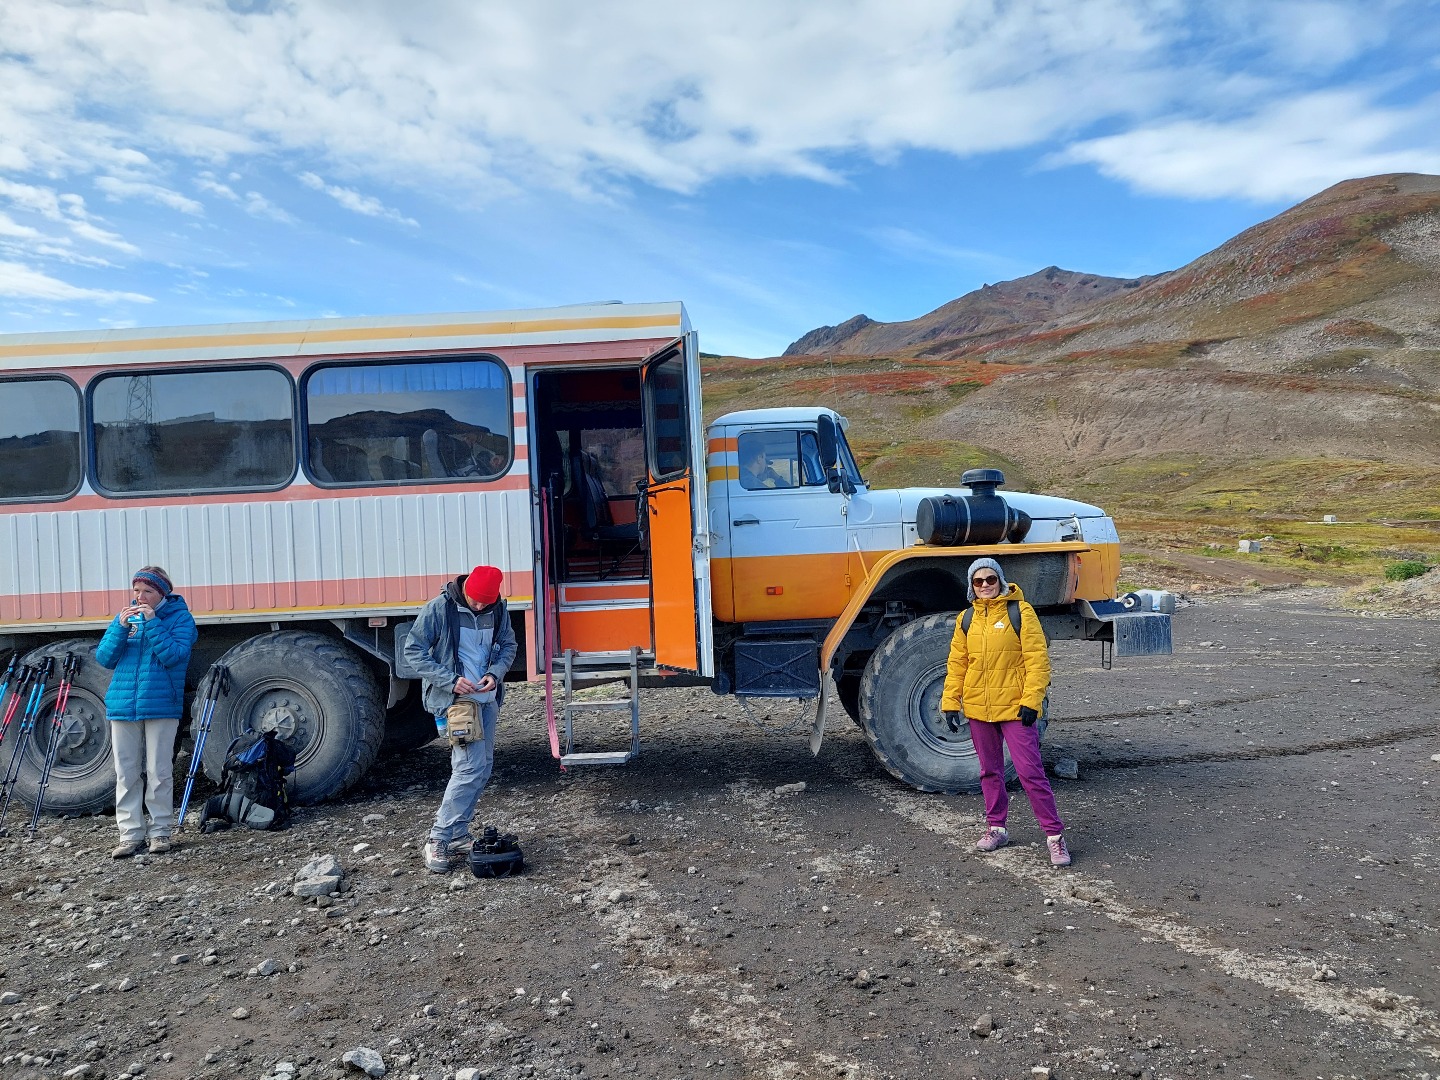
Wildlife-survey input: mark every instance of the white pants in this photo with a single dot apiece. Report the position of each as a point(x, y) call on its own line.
point(144, 747)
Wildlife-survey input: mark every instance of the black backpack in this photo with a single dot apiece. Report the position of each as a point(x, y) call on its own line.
point(252, 785)
point(1012, 608)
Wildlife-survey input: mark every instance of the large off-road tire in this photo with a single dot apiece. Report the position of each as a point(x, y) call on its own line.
point(82, 780)
point(900, 711)
point(316, 693)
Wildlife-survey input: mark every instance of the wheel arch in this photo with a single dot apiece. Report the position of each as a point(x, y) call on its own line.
point(933, 580)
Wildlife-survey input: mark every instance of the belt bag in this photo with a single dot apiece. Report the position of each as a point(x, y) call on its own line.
point(462, 722)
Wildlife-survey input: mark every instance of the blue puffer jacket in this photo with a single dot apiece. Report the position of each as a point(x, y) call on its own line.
point(149, 681)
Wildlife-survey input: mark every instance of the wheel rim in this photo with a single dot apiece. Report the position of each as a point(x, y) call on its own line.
point(927, 721)
point(84, 745)
point(287, 709)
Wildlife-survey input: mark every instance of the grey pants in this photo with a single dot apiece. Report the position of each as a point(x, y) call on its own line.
point(144, 747)
point(470, 767)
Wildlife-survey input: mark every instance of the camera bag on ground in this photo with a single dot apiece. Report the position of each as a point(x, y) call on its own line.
point(495, 855)
point(252, 785)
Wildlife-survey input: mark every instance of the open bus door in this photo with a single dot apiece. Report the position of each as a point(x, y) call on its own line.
point(675, 509)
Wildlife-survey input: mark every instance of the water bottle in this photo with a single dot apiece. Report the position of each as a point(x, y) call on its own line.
point(442, 728)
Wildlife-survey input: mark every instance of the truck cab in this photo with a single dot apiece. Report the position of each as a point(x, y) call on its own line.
point(812, 574)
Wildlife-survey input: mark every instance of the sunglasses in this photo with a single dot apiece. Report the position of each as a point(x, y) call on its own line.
point(990, 580)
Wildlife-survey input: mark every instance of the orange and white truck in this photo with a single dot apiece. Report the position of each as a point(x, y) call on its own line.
point(309, 485)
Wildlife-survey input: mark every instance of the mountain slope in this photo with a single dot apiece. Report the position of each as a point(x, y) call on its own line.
point(989, 310)
point(1313, 335)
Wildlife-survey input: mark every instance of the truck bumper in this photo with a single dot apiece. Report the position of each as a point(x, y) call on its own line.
point(1122, 624)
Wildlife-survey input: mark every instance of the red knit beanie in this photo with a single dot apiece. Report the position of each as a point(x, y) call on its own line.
point(483, 585)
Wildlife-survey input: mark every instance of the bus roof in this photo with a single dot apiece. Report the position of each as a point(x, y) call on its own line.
point(364, 334)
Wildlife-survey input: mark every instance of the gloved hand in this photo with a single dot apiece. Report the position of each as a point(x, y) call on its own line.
point(952, 720)
point(1028, 715)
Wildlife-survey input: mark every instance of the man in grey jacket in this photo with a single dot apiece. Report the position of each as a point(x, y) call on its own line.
point(462, 644)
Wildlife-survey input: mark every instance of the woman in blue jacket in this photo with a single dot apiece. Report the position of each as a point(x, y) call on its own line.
point(148, 646)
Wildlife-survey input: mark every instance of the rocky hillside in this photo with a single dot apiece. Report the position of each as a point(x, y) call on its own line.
point(1311, 337)
point(1004, 308)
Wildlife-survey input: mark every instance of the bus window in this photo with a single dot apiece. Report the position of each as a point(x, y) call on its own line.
point(415, 422)
point(193, 431)
point(39, 439)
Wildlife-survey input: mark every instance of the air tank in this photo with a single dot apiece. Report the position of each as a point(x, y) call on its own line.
point(982, 517)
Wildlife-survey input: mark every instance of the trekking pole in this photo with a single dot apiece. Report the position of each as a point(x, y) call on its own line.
point(24, 678)
point(27, 723)
point(57, 729)
point(10, 667)
point(219, 684)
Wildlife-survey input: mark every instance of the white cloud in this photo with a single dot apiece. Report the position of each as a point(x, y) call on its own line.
point(117, 189)
point(26, 283)
point(96, 235)
point(913, 245)
point(10, 227)
point(492, 99)
point(1287, 151)
point(353, 201)
point(252, 202)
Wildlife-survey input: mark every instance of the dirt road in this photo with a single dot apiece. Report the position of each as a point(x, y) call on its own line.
point(1254, 895)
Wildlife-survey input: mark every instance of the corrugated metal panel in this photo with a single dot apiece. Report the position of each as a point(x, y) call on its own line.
point(236, 558)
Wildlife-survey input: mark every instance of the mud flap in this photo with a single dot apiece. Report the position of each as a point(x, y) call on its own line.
point(817, 730)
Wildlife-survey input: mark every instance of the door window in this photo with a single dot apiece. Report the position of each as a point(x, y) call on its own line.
point(667, 418)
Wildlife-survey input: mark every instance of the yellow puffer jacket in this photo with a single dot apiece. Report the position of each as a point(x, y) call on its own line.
point(991, 672)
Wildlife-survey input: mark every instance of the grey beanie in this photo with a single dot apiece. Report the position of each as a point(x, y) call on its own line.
point(983, 564)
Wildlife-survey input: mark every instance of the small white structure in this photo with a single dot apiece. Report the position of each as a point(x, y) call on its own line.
point(1249, 547)
point(1329, 519)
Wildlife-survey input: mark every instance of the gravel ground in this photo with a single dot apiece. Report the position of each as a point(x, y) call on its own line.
point(1253, 896)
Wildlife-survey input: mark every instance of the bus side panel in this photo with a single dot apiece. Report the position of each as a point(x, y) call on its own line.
point(376, 552)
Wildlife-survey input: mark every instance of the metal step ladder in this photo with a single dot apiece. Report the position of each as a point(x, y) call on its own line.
point(583, 670)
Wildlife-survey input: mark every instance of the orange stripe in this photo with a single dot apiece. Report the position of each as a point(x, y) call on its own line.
point(721, 446)
point(256, 600)
point(311, 336)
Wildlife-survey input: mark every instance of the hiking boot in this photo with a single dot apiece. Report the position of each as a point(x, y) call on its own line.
point(460, 849)
point(1059, 853)
point(159, 845)
point(995, 837)
point(437, 858)
point(127, 848)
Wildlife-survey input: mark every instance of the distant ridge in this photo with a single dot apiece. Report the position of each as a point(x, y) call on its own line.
point(989, 310)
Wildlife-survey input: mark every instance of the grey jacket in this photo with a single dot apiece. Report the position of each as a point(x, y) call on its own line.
point(433, 647)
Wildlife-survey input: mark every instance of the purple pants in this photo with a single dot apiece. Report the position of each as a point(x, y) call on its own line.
point(990, 741)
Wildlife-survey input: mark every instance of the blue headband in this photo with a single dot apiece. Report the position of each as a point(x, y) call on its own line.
point(164, 587)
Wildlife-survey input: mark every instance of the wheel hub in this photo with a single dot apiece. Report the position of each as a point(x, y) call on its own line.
point(282, 718)
point(81, 734)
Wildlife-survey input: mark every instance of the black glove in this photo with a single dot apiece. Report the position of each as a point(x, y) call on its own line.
point(1028, 715)
point(952, 720)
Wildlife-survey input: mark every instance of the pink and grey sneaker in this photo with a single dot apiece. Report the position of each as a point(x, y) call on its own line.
point(1059, 853)
point(995, 837)
point(437, 858)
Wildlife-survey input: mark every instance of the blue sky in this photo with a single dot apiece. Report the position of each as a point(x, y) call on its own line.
point(776, 164)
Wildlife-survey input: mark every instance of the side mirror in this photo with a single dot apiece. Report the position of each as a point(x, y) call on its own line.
point(829, 444)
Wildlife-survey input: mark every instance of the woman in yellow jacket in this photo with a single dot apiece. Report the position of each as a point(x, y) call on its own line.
point(996, 677)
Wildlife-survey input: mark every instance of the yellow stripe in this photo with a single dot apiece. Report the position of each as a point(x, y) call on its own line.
point(348, 334)
point(722, 472)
